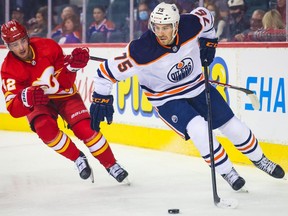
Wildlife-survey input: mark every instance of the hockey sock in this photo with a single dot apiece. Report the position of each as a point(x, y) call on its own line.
point(64, 146)
point(243, 139)
point(96, 142)
point(197, 129)
point(100, 149)
point(47, 129)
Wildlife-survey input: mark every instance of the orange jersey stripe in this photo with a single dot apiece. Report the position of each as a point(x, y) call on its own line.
point(102, 69)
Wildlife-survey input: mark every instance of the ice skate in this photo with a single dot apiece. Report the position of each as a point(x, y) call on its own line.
point(234, 180)
point(83, 167)
point(117, 172)
point(270, 167)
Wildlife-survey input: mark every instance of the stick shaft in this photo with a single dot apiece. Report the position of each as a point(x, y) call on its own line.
point(211, 146)
point(247, 91)
point(97, 58)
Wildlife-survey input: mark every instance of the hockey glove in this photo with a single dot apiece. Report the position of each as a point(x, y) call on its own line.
point(78, 59)
point(33, 95)
point(101, 107)
point(207, 49)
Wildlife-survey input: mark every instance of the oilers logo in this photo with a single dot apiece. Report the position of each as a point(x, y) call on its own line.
point(181, 70)
point(174, 119)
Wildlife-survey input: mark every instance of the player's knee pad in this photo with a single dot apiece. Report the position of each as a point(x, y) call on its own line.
point(46, 127)
point(197, 129)
point(82, 130)
point(235, 130)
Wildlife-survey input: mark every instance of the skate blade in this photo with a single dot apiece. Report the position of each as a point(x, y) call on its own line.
point(92, 176)
point(227, 203)
point(126, 181)
point(243, 190)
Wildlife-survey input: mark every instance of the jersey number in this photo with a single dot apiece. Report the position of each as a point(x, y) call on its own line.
point(123, 66)
point(202, 13)
point(9, 85)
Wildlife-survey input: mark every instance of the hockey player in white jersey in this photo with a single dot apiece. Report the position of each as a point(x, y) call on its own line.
point(168, 61)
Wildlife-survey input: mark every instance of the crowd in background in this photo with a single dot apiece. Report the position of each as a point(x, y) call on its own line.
point(108, 21)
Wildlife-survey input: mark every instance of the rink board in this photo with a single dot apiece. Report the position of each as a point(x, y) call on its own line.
point(135, 122)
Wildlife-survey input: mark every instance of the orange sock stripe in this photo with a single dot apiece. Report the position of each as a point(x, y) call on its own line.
point(101, 150)
point(249, 146)
point(217, 157)
point(94, 140)
point(57, 140)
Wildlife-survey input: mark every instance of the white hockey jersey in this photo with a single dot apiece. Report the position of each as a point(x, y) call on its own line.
point(164, 72)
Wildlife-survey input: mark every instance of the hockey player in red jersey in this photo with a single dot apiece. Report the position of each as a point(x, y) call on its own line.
point(167, 60)
point(38, 82)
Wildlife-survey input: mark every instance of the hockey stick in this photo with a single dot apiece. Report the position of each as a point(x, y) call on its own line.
point(222, 203)
point(94, 58)
point(252, 96)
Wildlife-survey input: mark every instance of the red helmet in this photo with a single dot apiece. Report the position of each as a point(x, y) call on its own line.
point(12, 31)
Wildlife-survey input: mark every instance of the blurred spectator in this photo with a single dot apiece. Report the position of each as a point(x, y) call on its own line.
point(100, 30)
point(252, 5)
point(151, 3)
point(236, 22)
point(281, 7)
point(40, 25)
point(18, 14)
point(90, 6)
point(66, 11)
point(141, 24)
point(255, 24)
point(118, 12)
point(29, 7)
point(273, 28)
point(71, 30)
point(222, 19)
point(214, 11)
point(187, 5)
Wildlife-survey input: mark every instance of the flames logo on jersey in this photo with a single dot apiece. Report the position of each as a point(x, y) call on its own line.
point(181, 70)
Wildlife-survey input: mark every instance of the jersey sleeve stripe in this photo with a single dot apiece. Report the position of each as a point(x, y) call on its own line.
point(109, 71)
point(100, 74)
point(9, 96)
point(106, 74)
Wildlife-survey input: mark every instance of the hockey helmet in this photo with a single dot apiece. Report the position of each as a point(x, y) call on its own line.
point(164, 13)
point(12, 31)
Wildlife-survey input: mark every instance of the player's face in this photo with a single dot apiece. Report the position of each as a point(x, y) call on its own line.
point(164, 33)
point(21, 48)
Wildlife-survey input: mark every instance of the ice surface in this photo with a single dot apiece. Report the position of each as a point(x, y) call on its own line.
point(36, 181)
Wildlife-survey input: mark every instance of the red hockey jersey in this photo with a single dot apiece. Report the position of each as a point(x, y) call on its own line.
point(47, 68)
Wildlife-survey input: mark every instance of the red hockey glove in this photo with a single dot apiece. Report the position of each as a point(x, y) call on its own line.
point(33, 95)
point(78, 59)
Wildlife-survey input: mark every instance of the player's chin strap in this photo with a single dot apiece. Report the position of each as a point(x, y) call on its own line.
point(252, 96)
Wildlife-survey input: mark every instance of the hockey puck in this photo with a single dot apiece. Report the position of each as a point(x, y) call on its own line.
point(173, 211)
